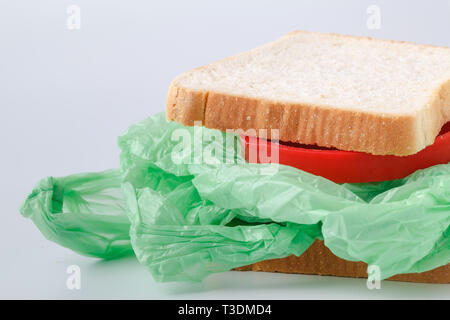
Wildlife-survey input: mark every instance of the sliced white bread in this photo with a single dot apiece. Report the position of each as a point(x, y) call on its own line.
point(318, 259)
point(352, 93)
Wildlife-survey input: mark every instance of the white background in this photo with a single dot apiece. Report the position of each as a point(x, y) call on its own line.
point(66, 95)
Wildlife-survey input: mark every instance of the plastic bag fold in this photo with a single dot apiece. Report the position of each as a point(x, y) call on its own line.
point(83, 212)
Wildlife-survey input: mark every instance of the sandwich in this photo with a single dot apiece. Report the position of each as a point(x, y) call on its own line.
point(350, 109)
point(314, 154)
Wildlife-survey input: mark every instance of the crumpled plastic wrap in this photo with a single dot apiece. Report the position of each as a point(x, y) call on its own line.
point(83, 212)
point(199, 209)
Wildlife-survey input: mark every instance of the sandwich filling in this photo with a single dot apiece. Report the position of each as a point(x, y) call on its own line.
point(349, 166)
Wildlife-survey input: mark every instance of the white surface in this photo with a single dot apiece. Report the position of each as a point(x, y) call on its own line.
point(66, 95)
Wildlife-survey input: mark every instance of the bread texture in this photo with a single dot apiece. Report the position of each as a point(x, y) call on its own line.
point(319, 260)
point(352, 93)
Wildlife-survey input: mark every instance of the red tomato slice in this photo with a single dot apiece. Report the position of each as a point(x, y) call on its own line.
point(348, 166)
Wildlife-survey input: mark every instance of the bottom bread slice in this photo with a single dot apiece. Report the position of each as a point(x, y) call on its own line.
point(319, 260)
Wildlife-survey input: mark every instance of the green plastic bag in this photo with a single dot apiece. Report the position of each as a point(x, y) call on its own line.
point(83, 212)
point(190, 206)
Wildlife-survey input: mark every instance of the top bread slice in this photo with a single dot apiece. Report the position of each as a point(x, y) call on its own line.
point(352, 93)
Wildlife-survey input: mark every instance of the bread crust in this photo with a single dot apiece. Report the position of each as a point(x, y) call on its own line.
point(319, 260)
point(351, 130)
point(344, 129)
